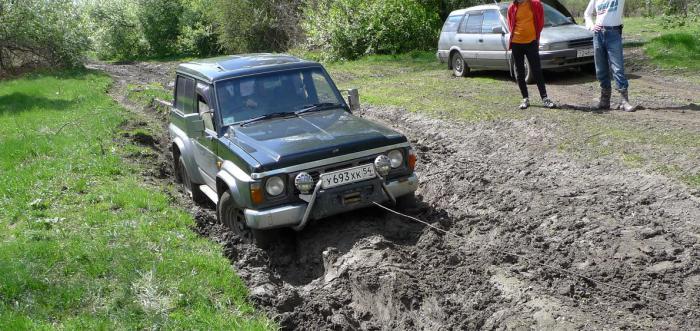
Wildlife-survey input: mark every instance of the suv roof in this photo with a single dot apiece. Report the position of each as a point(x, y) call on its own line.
point(224, 67)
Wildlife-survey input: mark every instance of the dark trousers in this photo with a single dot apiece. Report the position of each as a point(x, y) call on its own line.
point(531, 50)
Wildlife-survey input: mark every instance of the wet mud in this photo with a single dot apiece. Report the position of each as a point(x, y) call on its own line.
point(501, 186)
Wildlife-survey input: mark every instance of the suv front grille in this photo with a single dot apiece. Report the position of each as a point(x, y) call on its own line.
point(581, 43)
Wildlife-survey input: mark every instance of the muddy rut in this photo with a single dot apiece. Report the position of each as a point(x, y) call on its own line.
point(501, 185)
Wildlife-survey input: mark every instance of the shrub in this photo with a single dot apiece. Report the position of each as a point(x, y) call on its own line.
point(41, 33)
point(116, 29)
point(348, 29)
point(160, 20)
point(256, 25)
point(197, 35)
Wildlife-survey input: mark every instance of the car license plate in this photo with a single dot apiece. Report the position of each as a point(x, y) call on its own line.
point(347, 176)
point(584, 52)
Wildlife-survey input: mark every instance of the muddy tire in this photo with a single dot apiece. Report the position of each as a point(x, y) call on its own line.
point(228, 214)
point(191, 189)
point(459, 66)
point(406, 202)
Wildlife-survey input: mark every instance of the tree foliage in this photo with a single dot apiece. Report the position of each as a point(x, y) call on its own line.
point(351, 28)
point(160, 20)
point(41, 33)
point(256, 25)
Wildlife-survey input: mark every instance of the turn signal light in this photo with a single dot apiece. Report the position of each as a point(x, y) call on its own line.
point(257, 196)
point(412, 158)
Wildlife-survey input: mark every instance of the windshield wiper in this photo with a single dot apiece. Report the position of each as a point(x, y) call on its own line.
point(318, 106)
point(267, 116)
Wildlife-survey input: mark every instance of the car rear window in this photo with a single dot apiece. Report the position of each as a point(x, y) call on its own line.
point(452, 23)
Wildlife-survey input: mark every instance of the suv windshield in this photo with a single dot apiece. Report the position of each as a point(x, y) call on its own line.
point(242, 99)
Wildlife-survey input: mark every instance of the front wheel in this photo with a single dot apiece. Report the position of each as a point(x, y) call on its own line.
point(459, 66)
point(529, 76)
point(232, 217)
point(183, 177)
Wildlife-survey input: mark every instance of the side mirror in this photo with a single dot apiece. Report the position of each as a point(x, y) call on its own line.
point(354, 99)
point(497, 29)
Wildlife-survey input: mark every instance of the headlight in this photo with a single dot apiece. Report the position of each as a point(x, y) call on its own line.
point(382, 164)
point(558, 46)
point(304, 182)
point(274, 186)
point(544, 47)
point(396, 158)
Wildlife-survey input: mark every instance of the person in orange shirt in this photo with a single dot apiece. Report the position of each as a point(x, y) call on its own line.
point(526, 21)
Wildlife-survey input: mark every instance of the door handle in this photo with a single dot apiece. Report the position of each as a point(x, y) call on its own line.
point(460, 40)
point(481, 40)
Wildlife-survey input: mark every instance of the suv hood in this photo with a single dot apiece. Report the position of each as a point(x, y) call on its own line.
point(564, 33)
point(282, 142)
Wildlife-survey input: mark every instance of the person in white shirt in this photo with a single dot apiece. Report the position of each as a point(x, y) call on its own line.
point(607, 45)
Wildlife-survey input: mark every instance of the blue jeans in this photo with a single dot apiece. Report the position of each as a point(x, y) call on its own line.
point(607, 45)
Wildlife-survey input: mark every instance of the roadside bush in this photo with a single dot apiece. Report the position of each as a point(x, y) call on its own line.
point(41, 33)
point(256, 25)
point(197, 36)
point(160, 20)
point(117, 31)
point(347, 29)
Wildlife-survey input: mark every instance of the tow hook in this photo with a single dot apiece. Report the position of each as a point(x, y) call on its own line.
point(310, 199)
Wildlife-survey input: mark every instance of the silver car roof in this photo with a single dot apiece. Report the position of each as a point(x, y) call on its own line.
point(476, 8)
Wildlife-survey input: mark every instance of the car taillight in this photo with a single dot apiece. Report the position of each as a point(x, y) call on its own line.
point(257, 196)
point(412, 158)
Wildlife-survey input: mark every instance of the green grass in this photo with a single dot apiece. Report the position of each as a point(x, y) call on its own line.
point(418, 82)
point(143, 94)
point(84, 243)
point(676, 50)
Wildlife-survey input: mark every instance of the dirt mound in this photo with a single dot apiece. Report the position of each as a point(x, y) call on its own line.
point(502, 185)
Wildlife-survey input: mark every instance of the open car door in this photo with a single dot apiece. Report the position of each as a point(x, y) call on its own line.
point(558, 6)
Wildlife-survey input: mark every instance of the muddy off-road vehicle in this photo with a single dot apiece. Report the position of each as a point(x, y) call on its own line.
point(272, 142)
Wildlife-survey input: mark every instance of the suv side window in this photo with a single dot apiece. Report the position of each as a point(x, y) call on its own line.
point(491, 20)
point(205, 113)
point(474, 23)
point(184, 95)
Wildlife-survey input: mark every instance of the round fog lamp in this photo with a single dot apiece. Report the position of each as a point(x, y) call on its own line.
point(304, 182)
point(382, 164)
point(396, 158)
point(274, 186)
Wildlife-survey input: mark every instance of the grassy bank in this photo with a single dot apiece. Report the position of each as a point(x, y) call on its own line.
point(84, 243)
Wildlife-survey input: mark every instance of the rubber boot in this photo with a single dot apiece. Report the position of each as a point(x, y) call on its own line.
point(604, 102)
point(625, 102)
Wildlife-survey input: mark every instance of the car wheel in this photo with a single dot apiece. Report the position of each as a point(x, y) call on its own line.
point(232, 217)
point(406, 202)
point(177, 171)
point(459, 66)
point(192, 190)
point(529, 77)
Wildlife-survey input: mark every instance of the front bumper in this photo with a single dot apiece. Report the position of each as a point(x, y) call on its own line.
point(562, 58)
point(331, 202)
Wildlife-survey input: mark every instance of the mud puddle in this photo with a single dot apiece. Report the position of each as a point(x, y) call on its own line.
point(500, 184)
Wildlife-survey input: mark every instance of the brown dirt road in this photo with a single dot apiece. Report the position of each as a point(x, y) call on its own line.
point(503, 185)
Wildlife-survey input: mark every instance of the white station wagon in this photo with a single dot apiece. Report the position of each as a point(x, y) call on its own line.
point(477, 38)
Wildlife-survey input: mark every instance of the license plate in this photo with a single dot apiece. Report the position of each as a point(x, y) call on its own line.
point(347, 176)
point(584, 52)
